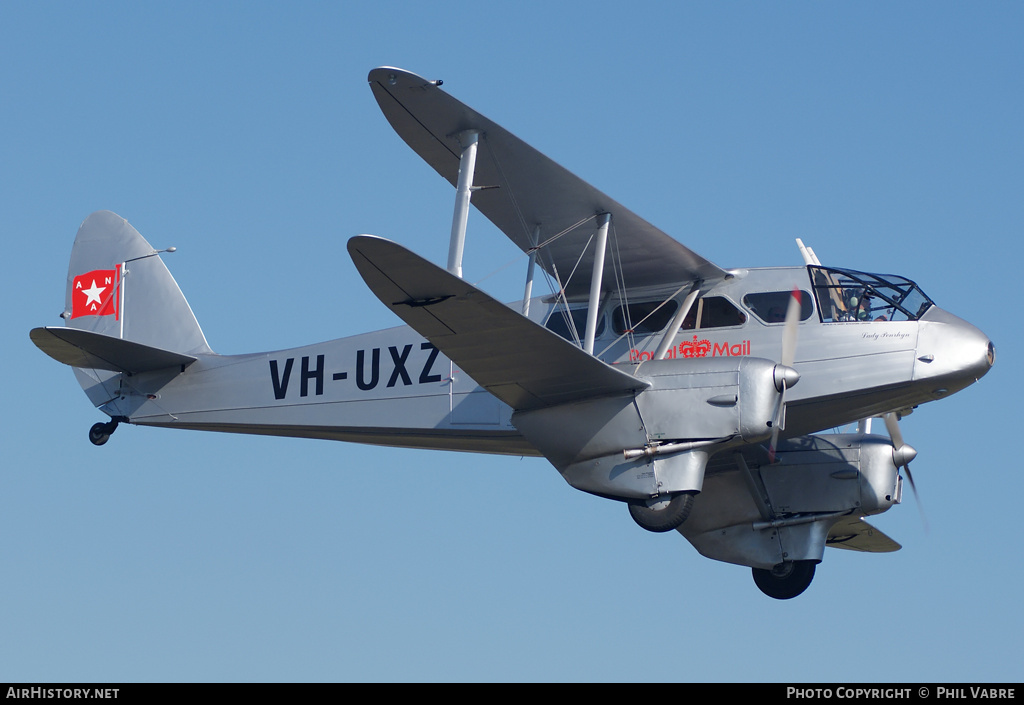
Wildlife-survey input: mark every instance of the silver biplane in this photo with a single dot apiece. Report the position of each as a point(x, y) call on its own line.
point(695, 395)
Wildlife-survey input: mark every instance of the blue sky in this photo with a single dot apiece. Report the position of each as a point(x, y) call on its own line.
point(886, 135)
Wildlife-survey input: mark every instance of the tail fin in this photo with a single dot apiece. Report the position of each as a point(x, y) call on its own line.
point(123, 314)
point(118, 286)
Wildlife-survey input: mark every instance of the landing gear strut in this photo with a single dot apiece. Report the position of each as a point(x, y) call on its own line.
point(662, 514)
point(100, 432)
point(786, 580)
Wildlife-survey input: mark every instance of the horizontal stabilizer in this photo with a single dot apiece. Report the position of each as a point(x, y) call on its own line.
point(855, 534)
point(518, 361)
point(96, 351)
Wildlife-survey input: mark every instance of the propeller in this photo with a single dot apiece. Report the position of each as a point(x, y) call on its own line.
point(784, 375)
point(902, 454)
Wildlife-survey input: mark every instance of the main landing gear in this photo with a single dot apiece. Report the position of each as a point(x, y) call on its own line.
point(100, 432)
point(786, 580)
point(662, 514)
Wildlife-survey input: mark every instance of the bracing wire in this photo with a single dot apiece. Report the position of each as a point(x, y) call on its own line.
point(641, 321)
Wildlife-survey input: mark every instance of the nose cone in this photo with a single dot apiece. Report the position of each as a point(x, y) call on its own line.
point(951, 353)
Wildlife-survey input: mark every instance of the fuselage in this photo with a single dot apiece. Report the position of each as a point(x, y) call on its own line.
point(392, 387)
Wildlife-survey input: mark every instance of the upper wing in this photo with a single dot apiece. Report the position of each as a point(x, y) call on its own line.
point(532, 192)
point(520, 362)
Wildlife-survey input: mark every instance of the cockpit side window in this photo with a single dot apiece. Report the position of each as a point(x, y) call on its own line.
point(848, 296)
point(771, 306)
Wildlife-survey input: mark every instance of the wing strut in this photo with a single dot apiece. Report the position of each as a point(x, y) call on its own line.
point(601, 247)
point(677, 322)
point(469, 139)
point(530, 267)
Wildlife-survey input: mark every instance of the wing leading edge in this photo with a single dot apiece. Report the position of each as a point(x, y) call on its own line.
point(532, 191)
point(518, 361)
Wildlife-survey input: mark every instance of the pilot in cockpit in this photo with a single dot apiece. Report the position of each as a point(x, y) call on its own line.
point(863, 312)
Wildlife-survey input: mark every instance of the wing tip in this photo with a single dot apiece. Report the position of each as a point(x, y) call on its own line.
point(392, 76)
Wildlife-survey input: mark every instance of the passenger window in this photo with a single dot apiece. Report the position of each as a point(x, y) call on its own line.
point(713, 312)
point(644, 317)
point(771, 306)
point(559, 322)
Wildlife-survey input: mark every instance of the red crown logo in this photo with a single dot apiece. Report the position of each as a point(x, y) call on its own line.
point(695, 348)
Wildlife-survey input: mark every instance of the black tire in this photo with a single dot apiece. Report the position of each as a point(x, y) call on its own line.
point(662, 520)
point(99, 434)
point(786, 580)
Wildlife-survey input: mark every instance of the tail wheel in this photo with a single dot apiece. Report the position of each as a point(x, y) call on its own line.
point(100, 432)
point(662, 515)
point(786, 580)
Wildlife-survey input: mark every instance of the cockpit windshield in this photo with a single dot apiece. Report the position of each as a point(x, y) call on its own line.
point(845, 295)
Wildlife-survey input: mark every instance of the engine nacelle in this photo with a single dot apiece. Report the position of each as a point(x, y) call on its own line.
point(815, 481)
point(833, 472)
point(718, 397)
point(658, 441)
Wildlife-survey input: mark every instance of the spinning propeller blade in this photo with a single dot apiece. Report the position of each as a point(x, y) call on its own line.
point(785, 375)
point(892, 425)
point(790, 331)
point(902, 454)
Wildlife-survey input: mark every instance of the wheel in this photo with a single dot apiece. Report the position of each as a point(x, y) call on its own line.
point(786, 580)
point(660, 515)
point(99, 434)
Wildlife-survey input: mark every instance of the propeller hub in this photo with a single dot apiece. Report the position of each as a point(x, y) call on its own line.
point(903, 455)
point(785, 377)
